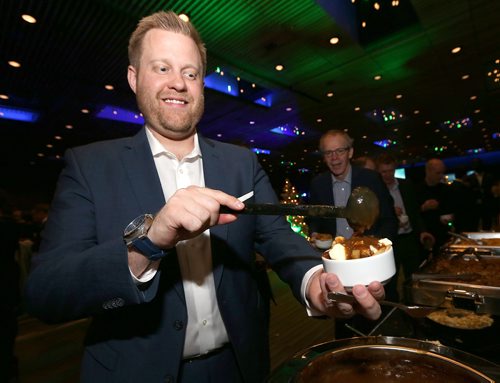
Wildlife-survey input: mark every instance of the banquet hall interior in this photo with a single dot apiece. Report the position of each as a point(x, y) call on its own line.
point(418, 79)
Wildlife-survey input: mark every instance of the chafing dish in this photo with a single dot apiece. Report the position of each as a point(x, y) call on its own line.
point(384, 359)
point(479, 291)
point(486, 242)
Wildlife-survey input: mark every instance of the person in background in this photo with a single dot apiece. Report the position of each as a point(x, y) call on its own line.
point(135, 238)
point(481, 183)
point(412, 238)
point(364, 162)
point(334, 187)
point(466, 214)
point(435, 202)
point(9, 290)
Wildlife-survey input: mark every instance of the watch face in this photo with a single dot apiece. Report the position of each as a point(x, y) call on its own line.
point(138, 225)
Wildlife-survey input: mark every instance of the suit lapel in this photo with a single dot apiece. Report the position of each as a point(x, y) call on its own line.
point(145, 183)
point(215, 178)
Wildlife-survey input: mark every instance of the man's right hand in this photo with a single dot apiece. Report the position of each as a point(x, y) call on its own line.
point(189, 212)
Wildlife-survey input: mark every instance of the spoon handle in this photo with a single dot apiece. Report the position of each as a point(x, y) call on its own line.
point(326, 211)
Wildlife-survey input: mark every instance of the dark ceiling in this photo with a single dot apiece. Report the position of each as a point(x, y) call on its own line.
point(77, 47)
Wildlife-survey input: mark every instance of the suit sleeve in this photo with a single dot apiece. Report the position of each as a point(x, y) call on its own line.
point(79, 273)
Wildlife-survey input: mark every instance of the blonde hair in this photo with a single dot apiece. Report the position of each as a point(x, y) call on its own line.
point(167, 21)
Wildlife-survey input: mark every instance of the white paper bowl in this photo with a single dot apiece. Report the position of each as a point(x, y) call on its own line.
point(362, 271)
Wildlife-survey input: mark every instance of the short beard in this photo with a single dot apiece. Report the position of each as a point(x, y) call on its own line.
point(177, 127)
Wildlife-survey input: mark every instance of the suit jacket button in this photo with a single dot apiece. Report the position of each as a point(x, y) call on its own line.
point(169, 379)
point(178, 325)
point(120, 302)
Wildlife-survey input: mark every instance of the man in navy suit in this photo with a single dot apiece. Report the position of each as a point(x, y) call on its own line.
point(334, 187)
point(175, 295)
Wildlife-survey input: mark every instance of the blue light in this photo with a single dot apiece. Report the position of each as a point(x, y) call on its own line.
point(475, 151)
point(266, 100)
point(115, 113)
point(261, 151)
point(384, 143)
point(225, 84)
point(286, 130)
point(18, 114)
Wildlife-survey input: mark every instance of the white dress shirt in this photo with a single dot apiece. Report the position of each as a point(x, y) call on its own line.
point(341, 193)
point(205, 329)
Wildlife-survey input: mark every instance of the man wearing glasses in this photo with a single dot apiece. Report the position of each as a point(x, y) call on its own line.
point(333, 187)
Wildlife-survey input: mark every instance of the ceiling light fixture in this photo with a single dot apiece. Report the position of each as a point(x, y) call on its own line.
point(14, 64)
point(334, 40)
point(29, 19)
point(456, 50)
point(4, 97)
point(329, 94)
point(279, 67)
point(377, 77)
point(472, 98)
point(465, 77)
point(184, 17)
point(109, 87)
point(399, 96)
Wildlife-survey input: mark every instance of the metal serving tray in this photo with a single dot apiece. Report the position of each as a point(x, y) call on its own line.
point(460, 245)
point(480, 293)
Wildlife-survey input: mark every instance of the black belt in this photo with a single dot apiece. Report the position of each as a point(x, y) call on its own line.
point(206, 355)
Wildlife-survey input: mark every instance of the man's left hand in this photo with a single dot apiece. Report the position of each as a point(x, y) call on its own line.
point(367, 297)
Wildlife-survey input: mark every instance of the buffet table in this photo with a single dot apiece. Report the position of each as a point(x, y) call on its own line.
point(478, 292)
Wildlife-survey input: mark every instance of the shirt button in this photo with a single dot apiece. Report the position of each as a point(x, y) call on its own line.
point(181, 171)
point(204, 322)
point(178, 325)
point(169, 379)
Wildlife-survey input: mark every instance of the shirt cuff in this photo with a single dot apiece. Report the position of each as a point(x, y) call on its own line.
point(147, 275)
point(305, 282)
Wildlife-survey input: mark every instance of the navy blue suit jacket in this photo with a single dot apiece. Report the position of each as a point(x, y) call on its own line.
point(137, 334)
point(321, 193)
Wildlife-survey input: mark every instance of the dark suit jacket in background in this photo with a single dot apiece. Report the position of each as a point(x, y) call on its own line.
point(137, 334)
point(321, 193)
point(412, 207)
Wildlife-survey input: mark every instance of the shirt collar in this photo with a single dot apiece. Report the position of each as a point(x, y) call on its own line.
point(348, 177)
point(157, 148)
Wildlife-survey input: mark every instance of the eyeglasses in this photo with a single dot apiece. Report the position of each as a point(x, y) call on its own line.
point(338, 152)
